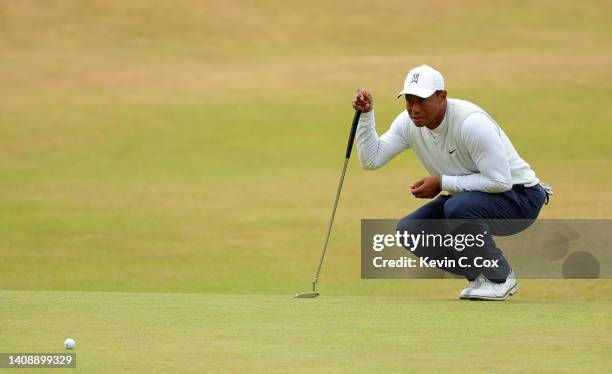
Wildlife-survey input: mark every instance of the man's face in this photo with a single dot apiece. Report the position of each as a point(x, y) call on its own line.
point(426, 111)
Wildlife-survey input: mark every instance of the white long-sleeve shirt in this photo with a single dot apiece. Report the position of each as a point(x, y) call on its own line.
point(469, 150)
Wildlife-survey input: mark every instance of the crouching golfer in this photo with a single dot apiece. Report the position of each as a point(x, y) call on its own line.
point(469, 156)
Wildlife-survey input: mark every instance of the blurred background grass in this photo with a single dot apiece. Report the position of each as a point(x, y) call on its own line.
point(196, 147)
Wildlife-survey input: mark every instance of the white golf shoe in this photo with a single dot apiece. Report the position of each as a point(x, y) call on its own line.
point(488, 290)
point(465, 293)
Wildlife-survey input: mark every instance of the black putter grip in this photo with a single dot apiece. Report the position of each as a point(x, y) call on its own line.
point(349, 146)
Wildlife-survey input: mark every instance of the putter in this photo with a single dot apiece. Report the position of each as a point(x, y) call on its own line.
point(314, 293)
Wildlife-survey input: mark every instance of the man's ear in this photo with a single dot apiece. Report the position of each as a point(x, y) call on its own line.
point(443, 95)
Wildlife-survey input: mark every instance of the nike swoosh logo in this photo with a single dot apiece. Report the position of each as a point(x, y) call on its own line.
point(451, 152)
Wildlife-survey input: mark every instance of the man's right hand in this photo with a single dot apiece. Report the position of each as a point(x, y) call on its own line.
point(363, 101)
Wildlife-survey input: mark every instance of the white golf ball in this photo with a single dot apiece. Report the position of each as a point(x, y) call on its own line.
point(69, 343)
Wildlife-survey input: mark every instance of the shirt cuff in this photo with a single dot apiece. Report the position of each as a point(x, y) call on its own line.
point(448, 183)
point(367, 117)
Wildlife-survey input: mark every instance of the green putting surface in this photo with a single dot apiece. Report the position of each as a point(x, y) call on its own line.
point(160, 333)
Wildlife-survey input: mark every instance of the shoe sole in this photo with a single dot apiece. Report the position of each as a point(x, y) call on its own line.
point(512, 291)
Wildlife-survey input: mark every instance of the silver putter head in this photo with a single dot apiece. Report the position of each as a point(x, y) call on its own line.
point(306, 295)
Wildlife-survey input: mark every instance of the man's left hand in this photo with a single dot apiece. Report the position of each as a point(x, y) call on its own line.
point(426, 188)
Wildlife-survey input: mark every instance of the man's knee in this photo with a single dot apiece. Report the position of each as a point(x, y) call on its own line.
point(402, 224)
point(463, 207)
point(412, 225)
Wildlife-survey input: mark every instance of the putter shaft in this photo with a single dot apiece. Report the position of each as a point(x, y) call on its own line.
point(349, 147)
point(331, 223)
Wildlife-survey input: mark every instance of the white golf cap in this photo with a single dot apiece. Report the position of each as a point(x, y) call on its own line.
point(422, 81)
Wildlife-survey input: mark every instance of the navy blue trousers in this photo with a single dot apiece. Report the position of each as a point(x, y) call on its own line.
point(475, 212)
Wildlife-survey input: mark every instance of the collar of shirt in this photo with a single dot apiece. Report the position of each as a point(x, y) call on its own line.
point(435, 133)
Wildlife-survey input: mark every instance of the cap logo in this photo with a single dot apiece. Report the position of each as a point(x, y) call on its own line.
point(415, 78)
